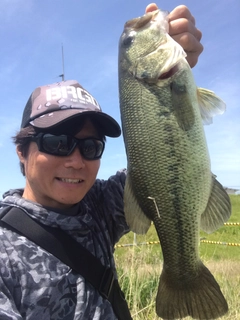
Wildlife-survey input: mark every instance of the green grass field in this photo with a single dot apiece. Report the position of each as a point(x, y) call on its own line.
point(139, 266)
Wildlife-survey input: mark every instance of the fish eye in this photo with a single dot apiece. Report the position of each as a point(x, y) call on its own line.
point(127, 40)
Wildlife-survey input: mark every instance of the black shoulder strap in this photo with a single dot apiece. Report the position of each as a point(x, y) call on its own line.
point(69, 251)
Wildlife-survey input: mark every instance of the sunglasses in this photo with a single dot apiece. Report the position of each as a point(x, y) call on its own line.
point(63, 145)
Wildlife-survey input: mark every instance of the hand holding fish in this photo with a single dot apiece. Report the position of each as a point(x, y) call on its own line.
point(183, 30)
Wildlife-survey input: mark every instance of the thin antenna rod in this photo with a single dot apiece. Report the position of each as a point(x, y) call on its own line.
point(62, 75)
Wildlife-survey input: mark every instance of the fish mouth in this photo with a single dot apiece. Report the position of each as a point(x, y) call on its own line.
point(169, 73)
point(140, 22)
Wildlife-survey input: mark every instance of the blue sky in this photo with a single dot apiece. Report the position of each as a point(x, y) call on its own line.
point(32, 34)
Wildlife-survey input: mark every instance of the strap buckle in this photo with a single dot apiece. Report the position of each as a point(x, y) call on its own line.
point(106, 284)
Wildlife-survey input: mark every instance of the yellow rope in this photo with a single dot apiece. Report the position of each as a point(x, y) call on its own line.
point(157, 242)
point(222, 243)
point(232, 224)
point(201, 240)
point(136, 244)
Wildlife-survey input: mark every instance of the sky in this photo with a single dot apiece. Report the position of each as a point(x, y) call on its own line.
point(34, 32)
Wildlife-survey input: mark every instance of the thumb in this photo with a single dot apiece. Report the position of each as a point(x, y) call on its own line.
point(151, 7)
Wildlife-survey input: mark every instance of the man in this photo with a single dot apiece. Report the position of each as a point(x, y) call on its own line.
point(59, 145)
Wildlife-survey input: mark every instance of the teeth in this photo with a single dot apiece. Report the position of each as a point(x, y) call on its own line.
point(70, 180)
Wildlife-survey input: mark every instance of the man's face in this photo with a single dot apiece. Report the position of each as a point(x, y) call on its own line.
point(59, 182)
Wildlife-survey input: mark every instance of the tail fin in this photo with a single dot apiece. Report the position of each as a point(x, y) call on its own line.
point(200, 298)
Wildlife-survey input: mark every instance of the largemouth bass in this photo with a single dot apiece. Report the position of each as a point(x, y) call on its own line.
point(169, 180)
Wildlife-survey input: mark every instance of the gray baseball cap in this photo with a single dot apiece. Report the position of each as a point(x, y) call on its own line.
point(51, 105)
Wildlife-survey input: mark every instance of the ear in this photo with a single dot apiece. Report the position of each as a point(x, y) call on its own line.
point(20, 155)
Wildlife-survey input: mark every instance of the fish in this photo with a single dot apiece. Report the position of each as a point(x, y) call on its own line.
point(169, 181)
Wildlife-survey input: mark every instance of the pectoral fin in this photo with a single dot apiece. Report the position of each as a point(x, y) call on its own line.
point(136, 219)
point(218, 209)
point(210, 105)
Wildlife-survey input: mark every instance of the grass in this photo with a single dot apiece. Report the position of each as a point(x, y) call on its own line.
point(139, 267)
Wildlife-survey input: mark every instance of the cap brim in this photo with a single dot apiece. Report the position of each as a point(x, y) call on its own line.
point(108, 125)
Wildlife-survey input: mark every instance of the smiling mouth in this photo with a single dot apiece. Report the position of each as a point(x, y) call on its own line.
point(74, 181)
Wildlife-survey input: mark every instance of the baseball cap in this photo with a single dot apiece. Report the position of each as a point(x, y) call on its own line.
point(51, 105)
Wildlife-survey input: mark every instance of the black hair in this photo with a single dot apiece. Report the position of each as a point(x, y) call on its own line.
point(22, 140)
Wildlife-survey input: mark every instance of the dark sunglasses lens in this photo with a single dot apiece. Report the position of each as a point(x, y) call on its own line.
point(57, 145)
point(91, 148)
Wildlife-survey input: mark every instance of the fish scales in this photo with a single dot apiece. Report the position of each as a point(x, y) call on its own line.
point(169, 180)
point(164, 181)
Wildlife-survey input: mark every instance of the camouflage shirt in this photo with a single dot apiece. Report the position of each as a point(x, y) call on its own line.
point(34, 284)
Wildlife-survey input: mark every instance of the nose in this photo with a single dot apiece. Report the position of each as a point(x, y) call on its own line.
point(75, 160)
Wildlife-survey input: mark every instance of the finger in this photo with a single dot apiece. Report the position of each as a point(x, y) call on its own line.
point(181, 12)
point(192, 58)
point(188, 42)
point(182, 25)
point(191, 46)
point(151, 7)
